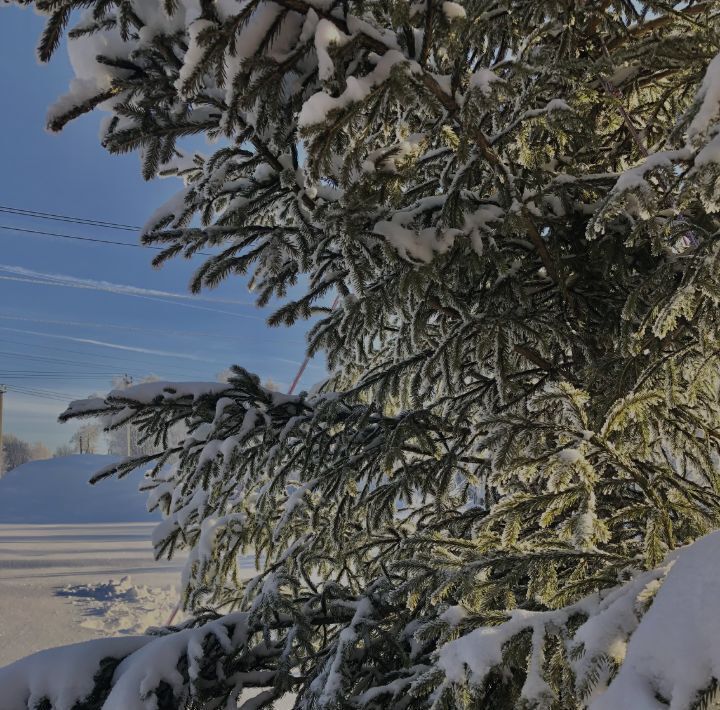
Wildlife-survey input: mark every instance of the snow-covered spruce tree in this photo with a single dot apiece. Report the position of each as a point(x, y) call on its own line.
point(515, 202)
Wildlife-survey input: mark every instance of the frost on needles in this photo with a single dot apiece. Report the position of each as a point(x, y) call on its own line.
point(505, 494)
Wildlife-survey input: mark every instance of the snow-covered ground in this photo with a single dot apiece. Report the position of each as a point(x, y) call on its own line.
point(55, 584)
point(60, 584)
point(58, 491)
point(75, 560)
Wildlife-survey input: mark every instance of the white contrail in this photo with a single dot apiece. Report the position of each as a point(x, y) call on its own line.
point(44, 282)
point(105, 344)
point(110, 287)
point(131, 328)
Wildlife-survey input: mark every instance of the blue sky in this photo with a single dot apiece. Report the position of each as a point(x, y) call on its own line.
point(63, 334)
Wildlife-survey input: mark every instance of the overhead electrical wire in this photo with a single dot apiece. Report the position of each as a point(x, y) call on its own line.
point(63, 375)
point(70, 376)
point(44, 394)
point(88, 363)
point(129, 368)
point(127, 360)
point(56, 361)
point(76, 237)
point(56, 393)
point(55, 217)
point(90, 222)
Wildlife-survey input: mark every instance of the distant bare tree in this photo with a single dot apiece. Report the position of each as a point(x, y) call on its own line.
point(64, 450)
point(39, 451)
point(86, 439)
point(15, 452)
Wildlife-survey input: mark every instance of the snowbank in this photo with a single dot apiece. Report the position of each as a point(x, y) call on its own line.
point(57, 491)
point(121, 606)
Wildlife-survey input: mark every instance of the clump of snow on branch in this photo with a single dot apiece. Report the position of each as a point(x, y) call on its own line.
point(318, 106)
point(669, 650)
point(454, 10)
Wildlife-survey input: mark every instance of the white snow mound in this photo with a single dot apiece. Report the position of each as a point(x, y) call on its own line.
point(120, 606)
point(57, 491)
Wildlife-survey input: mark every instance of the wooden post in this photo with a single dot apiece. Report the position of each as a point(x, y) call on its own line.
point(3, 390)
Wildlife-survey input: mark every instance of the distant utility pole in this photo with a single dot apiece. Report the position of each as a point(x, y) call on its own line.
point(3, 390)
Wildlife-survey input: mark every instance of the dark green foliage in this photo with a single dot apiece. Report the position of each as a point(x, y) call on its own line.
point(523, 407)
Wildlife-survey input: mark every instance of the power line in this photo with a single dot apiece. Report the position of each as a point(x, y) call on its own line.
point(52, 360)
point(50, 393)
point(43, 394)
point(61, 401)
point(24, 375)
point(56, 360)
point(76, 237)
point(55, 217)
point(121, 362)
point(96, 240)
point(53, 373)
point(70, 376)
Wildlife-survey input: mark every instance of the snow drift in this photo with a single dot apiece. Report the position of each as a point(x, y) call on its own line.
point(57, 491)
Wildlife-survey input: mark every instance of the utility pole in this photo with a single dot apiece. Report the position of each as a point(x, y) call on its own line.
point(3, 390)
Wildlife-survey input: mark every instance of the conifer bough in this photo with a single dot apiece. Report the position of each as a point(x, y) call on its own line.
point(516, 202)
